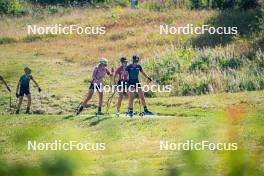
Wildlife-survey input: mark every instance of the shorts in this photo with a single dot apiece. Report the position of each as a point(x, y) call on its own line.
point(135, 83)
point(98, 87)
point(24, 91)
point(122, 86)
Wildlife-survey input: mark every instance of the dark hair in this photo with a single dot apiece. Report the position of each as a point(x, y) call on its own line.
point(123, 59)
point(135, 58)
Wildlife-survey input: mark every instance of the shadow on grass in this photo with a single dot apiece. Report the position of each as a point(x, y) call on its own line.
point(247, 23)
point(99, 120)
point(89, 118)
point(68, 117)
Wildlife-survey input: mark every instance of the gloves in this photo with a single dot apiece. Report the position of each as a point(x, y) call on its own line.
point(17, 95)
point(149, 78)
point(8, 88)
point(39, 89)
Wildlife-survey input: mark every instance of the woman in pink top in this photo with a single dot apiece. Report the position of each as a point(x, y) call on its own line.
point(122, 76)
point(97, 83)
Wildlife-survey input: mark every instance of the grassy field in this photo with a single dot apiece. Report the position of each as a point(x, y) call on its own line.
point(132, 145)
point(63, 65)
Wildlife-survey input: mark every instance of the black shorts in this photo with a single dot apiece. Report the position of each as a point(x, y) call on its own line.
point(24, 91)
point(98, 87)
point(134, 83)
point(122, 86)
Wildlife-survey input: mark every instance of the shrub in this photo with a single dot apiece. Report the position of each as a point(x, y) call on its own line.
point(6, 40)
point(150, 94)
point(233, 63)
point(210, 71)
point(248, 85)
point(202, 64)
point(32, 38)
point(122, 3)
point(195, 4)
point(53, 10)
point(260, 61)
point(12, 7)
point(202, 87)
point(246, 4)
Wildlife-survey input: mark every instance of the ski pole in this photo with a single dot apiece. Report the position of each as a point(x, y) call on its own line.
point(10, 101)
point(109, 101)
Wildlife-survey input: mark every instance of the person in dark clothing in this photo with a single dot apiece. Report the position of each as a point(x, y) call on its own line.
point(23, 88)
point(134, 4)
point(134, 85)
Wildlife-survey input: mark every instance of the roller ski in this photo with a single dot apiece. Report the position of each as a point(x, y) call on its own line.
point(130, 114)
point(99, 114)
point(117, 114)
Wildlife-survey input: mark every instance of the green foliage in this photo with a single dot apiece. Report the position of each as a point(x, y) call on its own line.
point(122, 3)
point(208, 72)
point(6, 40)
point(12, 7)
point(196, 4)
point(53, 10)
point(59, 166)
point(232, 63)
point(202, 63)
point(32, 38)
point(150, 94)
point(245, 4)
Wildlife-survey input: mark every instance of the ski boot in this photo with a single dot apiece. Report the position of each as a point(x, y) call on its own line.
point(117, 114)
point(99, 113)
point(79, 110)
point(147, 112)
point(130, 114)
point(28, 111)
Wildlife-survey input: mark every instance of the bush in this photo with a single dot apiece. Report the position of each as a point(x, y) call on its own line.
point(52, 10)
point(211, 71)
point(122, 3)
point(260, 61)
point(246, 4)
point(150, 94)
point(196, 4)
point(248, 85)
point(233, 63)
point(6, 40)
point(32, 38)
point(12, 7)
point(201, 64)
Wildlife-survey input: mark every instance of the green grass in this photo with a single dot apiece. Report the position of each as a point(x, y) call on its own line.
point(133, 144)
point(63, 66)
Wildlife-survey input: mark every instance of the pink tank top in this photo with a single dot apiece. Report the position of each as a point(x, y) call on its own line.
point(121, 71)
point(99, 74)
